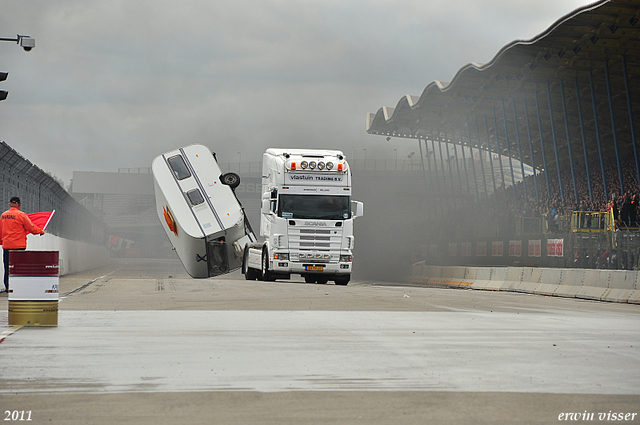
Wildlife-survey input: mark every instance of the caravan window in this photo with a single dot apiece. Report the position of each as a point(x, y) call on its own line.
point(179, 167)
point(195, 197)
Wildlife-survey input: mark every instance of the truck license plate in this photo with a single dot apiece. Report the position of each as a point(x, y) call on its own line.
point(315, 268)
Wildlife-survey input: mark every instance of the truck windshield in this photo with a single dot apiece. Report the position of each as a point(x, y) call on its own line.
point(323, 207)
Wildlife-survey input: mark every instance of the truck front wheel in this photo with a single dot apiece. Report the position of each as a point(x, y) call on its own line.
point(343, 280)
point(266, 274)
point(249, 273)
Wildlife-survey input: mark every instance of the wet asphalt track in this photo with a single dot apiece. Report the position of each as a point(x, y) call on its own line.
point(141, 332)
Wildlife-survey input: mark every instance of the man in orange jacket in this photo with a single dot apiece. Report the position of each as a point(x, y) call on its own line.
point(14, 228)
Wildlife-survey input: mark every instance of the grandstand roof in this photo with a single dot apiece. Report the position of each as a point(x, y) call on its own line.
point(585, 53)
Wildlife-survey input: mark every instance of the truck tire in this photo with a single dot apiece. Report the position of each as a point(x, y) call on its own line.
point(230, 179)
point(266, 274)
point(252, 274)
point(249, 273)
point(342, 280)
point(245, 253)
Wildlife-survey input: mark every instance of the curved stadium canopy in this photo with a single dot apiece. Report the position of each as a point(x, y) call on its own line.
point(566, 98)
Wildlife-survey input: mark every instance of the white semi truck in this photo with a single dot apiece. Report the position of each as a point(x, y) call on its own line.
point(306, 218)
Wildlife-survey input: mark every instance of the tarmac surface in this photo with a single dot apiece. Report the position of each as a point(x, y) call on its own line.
point(141, 342)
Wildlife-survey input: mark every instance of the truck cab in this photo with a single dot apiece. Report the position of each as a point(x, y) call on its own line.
point(307, 218)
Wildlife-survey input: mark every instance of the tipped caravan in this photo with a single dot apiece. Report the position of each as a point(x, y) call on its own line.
point(199, 211)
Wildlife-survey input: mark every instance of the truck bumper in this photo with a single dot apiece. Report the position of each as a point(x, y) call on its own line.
point(280, 266)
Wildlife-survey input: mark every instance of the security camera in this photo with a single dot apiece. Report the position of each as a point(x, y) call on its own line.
point(27, 43)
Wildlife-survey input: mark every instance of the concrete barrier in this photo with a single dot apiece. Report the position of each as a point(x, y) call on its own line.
point(634, 298)
point(531, 277)
point(435, 274)
point(549, 281)
point(596, 283)
point(571, 282)
point(419, 273)
point(513, 279)
point(74, 256)
point(498, 277)
point(446, 275)
point(458, 277)
point(621, 285)
point(602, 285)
point(483, 277)
point(470, 275)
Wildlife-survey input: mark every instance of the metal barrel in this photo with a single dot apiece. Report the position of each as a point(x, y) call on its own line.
point(33, 313)
point(33, 288)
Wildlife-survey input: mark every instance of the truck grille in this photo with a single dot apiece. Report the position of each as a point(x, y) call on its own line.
point(315, 238)
point(315, 244)
point(312, 238)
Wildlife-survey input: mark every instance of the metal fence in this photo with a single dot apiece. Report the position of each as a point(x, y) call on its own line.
point(39, 191)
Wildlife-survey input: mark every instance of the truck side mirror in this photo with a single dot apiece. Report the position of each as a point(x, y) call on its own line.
point(357, 209)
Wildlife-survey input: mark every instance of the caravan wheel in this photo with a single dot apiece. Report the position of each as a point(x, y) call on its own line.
point(230, 179)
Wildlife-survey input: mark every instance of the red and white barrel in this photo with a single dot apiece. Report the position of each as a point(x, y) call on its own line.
point(34, 278)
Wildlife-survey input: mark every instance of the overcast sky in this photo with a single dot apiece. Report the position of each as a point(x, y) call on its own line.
point(112, 84)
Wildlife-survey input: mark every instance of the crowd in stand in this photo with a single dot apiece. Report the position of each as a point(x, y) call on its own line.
point(624, 205)
point(498, 216)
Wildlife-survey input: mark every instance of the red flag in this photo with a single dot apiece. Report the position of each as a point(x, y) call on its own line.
point(41, 219)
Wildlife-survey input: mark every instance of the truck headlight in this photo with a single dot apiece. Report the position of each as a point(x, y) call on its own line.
point(283, 256)
point(346, 258)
